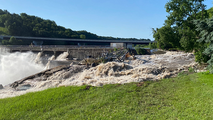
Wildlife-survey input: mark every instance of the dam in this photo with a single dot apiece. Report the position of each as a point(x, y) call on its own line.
point(79, 52)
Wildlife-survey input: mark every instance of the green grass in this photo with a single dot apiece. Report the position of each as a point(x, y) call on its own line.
point(185, 97)
point(3, 31)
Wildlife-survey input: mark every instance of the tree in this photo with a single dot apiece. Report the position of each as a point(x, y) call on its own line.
point(82, 36)
point(14, 41)
point(140, 50)
point(27, 25)
point(5, 42)
point(179, 24)
point(166, 37)
point(181, 12)
point(205, 27)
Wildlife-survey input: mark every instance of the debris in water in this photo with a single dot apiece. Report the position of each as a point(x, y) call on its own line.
point(1, 86)
point(143, 68)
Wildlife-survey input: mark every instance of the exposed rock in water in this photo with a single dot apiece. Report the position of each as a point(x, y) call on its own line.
point(23, 87)
point(89, 61)
point(1, 86)
point(45, 74)
point(93, 64)
point(59, 73)
point(145, 67)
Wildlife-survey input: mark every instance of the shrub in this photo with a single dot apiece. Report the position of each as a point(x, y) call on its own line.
point(191, 70)
point(152, 45)
point(140, 50)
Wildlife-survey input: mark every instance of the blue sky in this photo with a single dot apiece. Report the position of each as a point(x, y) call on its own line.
point(116, 18)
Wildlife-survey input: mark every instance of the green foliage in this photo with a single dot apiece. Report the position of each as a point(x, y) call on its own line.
point(139, 49)
point(166, 37)
point(5, 42)
point(206, 33)
point(210, 12)
point(206, 73)
point(179, 30)
point(27, 25)
point(115, 49)
point(12, 40)
point(200, 57)
point(3, 31)
point(102, 60)
point(188, 39)
point(83, 36)
point(191, 70)
point(153, 45)
point(144, 46)
point(180, 74)
point(181, 12)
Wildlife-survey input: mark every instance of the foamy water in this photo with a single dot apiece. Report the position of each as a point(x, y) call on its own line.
point(15, 66)
point(48, 63)
point(62, 56)
point(145, 67)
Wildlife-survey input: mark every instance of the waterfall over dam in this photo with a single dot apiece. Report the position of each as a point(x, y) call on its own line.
point(79, 52)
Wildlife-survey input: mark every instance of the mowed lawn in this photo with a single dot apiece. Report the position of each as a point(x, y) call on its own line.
point(183, 97)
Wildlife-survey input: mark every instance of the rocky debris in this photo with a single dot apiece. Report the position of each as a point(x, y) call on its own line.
point(117, 56)
point(23, 87)
point(144, 68)
point(57, 73)
point(93, 65)
point(190, 55)
point(129, 56)
point(67, 73)
point(89, 61)
point(1, 86)
point(75, 58)
point(158, 52)
point(45, 74)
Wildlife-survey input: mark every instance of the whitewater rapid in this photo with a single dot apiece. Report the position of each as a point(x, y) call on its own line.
point(145, 67)
point(15, 66)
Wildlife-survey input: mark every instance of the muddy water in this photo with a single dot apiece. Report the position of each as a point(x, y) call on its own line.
point(145, 67)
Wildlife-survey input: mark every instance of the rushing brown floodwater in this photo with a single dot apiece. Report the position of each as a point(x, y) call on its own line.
point(145, 67)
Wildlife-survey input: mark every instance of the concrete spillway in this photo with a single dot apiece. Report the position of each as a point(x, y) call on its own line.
point(79, 52)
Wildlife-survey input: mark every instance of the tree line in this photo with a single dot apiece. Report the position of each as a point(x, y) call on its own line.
point(28, 25)
point(189, 28)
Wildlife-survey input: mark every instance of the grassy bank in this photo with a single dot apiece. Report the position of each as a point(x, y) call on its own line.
point(184, 97)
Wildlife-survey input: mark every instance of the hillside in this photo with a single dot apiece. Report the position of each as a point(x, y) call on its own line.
point(28, 25)
point(3, 31)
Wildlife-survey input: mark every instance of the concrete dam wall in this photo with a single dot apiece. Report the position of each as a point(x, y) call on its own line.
point(79, 52)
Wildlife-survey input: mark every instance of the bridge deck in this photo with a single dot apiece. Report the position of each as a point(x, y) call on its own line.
point(78, 40)
point(50, 47)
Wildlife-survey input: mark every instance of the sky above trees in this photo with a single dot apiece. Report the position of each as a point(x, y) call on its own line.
point(116, 18)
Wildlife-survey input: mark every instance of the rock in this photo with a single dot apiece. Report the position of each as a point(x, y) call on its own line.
point(23, 87)
point(75, 58)
point(93, 65)
point(1, 86)
point(89, 61)
point(190, 55)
